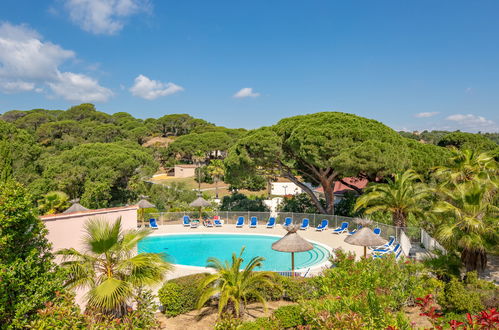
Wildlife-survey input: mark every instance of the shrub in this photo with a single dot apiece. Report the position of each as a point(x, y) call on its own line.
point(296, 289)
point(180, 295)
point(261, 323)
point(288, 316)
point(461, 297)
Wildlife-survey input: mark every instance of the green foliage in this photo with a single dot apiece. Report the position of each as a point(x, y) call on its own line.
point(288, 316)
point(99, 173)
point(401, 197)
point(470, 141)
point(28, 276)
point(53, 202)
point(345, 207)
point(469, 296)
point(108, 268)
point(261, 323)
point(202, 174)
point(173, 197)
point(180, 295)
point(301, 203)
point(60, 313)
point(444, 266)
point(18, 154)
point(240, 202)
point(297, 289)
point(235, 284)
point(321, 148)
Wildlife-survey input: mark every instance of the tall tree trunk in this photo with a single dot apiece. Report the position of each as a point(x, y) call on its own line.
point(474, 259)
point(329, 195)
point(216, 188)
point(309, 191)
point(399, 219)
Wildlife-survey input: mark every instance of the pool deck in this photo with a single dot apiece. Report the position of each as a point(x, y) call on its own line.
point(327, 238)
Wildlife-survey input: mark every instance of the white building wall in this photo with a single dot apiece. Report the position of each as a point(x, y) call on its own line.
point(285, 188)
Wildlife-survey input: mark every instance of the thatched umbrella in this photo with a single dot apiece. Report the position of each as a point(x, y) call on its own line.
point(292, 242)
point(75, 207)
point(200, 202)
point(365, 237)
point(145, 204)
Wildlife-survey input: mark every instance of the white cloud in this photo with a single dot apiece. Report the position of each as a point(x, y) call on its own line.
point(426, 114)
point(27, 63)
point(104, 16)
point(151, 89)
point(79, 87)
point(471, 122)
point(245, 92)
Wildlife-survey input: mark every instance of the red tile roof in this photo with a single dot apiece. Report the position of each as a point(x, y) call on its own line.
point(340, 188)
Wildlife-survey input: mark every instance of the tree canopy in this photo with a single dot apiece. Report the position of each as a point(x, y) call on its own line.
point(325, 147)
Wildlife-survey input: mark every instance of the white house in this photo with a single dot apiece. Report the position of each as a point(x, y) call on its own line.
point(286, 188)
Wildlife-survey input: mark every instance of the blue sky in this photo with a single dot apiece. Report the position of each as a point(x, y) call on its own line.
point(422, 64)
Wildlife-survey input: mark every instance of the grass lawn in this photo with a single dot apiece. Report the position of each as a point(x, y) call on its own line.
point(192, 184)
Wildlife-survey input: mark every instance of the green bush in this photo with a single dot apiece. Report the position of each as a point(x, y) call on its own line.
point(458, 297)
point(288, 316)
point(180, 295)
point(261, 323)
point(296, 289)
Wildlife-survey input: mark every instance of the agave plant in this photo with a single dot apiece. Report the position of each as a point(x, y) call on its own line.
point(109, 268)
point(234, 285)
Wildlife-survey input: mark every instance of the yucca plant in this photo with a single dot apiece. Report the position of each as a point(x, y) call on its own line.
point(233, 285)
point(110, 269)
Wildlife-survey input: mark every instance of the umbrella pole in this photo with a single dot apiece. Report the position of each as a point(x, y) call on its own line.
point(199, 213)
point(293, 264)
point(365, 252)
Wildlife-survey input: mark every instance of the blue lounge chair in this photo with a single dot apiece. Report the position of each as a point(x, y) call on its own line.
point(187, 221)
point(217, 222)
point(397, 251)
point(341, 229)
point(304, 224)
point(287, 222)
point(253, 222)
point(240, 222)
point(271, 223)
point(323, 225)
point(377, 231)
point(387, 245)
point(153, 224)
point(386, 250)
point(354, 231)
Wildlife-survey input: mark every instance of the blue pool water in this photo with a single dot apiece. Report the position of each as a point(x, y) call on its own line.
point(194, 249)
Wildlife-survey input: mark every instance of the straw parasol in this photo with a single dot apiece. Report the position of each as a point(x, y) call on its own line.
point(200, 202)
point(75, 207)
point(292, 242)
point(365, 237)
point(145, 204)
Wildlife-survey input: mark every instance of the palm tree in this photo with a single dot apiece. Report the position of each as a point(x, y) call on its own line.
point(467, 165)
point(469, 223)
point(53, 202)
point(401, 196)
point(217, 170)
point(235, 286)
point(198, 157)
point(110, 269)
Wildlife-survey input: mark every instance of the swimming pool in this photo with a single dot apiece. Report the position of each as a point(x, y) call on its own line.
point(194, 249)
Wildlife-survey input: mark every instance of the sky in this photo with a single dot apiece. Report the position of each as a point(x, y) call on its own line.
point(412, 65)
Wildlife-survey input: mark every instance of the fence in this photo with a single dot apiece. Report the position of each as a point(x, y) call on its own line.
point(430, 243)
point(413, 234)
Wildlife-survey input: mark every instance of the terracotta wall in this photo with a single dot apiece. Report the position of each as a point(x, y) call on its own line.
point(66, 230)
